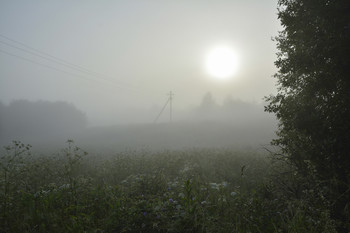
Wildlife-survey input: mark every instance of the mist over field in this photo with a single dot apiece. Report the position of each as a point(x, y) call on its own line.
point(101, 74)
point(232, 124)
point(180, 116)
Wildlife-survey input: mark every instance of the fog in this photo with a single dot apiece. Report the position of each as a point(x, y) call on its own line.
point(100, 73)
point(47, 125)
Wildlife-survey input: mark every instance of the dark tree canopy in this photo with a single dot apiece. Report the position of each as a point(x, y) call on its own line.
point(41, 120)
point(313, 99)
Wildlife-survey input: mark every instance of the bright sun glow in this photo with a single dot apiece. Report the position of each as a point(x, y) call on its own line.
point(221, 62)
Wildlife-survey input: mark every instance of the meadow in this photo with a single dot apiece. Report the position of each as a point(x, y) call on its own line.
point(194, 190)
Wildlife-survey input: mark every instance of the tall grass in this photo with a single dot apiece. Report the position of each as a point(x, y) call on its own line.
point(170, 191)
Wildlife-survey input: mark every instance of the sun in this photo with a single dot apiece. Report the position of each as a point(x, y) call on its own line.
point(221, 62)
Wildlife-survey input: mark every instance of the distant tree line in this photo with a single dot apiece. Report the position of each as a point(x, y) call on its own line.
point(26, 120)
point(233, 111)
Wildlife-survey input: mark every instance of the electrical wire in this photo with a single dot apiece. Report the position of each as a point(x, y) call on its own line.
point(161, 110)
point(48, 57)
point(56, 69)
point(51, 58)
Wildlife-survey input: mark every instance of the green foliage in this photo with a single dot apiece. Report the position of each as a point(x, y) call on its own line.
point(179, 191)
point(312, 103)
point(12, 172)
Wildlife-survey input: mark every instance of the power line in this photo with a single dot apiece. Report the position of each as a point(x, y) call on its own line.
point(54, 68)
point(83, 77)
point(60, 60)
point(171, 94)
point(161, 111)
point(44, 57)
point(55, 59)
point(169, 100)
point(33, 51)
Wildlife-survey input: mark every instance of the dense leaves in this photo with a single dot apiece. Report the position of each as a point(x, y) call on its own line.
point(313, 99)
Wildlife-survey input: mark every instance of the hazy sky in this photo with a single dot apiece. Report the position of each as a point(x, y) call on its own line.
point(135, 52)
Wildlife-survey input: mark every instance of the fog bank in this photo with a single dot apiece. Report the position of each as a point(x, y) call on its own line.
point(45, 125)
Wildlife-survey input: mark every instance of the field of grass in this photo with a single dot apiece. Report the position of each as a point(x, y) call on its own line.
point(214, 190)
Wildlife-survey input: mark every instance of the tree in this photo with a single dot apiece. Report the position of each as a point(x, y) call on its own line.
point(40, 120)
point(208, 102)
point(313, 99)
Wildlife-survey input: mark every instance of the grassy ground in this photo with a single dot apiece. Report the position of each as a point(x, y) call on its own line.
point(169, 191)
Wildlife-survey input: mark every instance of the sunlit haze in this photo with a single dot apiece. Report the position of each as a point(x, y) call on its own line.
point(124, 56)
point(222, 62)
point(174, 116)
point(204, 66)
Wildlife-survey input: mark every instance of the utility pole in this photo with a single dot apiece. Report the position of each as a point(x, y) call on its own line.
point(171, 94)
point(169, 100)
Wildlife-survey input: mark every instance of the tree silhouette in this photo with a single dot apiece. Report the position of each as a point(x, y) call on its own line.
point(208, 102)
point(40, 120)
point(313, 99)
